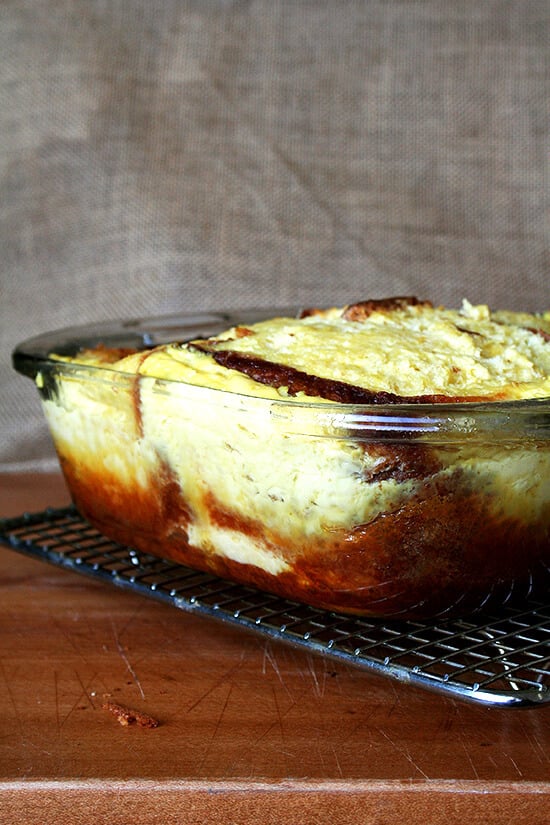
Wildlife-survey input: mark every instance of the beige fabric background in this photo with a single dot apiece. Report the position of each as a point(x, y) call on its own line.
point(190, 154)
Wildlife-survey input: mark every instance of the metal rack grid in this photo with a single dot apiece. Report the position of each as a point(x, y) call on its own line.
point(499, 659)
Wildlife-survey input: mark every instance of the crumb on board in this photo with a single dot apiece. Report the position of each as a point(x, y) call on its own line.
point(128, 716)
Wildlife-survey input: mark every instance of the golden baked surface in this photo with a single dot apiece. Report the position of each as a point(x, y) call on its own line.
point(386, 351)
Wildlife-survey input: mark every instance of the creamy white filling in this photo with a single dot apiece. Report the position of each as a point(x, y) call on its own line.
point(238, 547)
point(293, 487)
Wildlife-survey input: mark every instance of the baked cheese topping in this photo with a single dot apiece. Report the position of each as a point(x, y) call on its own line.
point(405, 349)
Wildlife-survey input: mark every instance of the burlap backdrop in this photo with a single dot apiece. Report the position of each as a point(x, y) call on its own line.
point(190, 154)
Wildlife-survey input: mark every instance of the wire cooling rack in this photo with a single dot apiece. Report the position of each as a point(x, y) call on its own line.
point(499, 659)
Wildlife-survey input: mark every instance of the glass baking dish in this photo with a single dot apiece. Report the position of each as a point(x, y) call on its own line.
point(385, 510)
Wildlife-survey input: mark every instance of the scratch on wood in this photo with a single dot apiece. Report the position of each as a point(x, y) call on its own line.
point(403, 752)
point(531, 736)
point(312, 669)
point(279, 715)
point(24, 739)
point(126, 661)
point(227, 675)
point(12, 698)
point(56, 691)
point(84, 692)
point(222, 712)
point(340, 771)
point(469, 757)
point(515, 764)
point(268, 657)
point(130, 620)
point(277, 723)
point(216, 728)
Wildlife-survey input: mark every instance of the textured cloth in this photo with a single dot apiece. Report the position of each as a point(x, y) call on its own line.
point(196, 154)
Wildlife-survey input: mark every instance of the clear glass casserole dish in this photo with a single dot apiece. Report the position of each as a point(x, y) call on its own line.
point(390, 510)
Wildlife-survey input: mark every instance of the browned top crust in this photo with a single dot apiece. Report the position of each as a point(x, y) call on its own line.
point(362, 310)
point(540, 332)
point(260, 361)
point(296, 381)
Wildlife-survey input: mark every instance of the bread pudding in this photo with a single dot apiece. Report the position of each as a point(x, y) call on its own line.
point(387, 458)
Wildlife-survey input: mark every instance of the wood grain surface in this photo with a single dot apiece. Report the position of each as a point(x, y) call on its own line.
point(249, 730)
